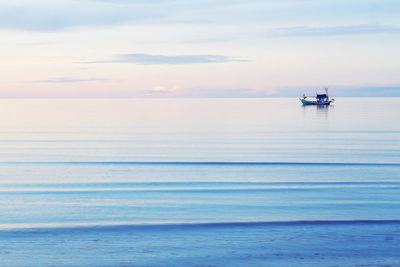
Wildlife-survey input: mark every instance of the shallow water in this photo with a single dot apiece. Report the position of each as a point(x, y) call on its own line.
point(96, 164)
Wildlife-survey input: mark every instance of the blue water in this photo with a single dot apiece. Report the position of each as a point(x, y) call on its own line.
point(74, 171)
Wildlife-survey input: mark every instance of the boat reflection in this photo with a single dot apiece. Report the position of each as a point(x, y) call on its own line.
point(321, 112)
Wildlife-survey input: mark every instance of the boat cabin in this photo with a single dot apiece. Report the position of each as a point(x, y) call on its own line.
point(322, 97)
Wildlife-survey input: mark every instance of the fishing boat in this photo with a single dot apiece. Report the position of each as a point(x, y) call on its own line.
point(318, 99)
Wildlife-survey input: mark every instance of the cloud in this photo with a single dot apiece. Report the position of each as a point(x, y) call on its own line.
point(366, 90)
point(68, 80)
point(50, 15)
point(332, 31)
point(148, 59)
point(161, 88)
point(47, 15)
point(357, 90)
point(198, 92)
point(64, 14)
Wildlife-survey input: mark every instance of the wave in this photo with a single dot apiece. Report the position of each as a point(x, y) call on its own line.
point(199, 163)
point(186, 187)
point(178, 190)
point(126, 226)
point(196, 183)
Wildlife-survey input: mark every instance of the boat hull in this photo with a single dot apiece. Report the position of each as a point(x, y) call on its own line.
point(314, 103)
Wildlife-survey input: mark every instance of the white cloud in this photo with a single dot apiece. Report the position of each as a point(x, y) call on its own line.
point(150, 59)
point(332, 31)
point(68, 80)
point(47, 15)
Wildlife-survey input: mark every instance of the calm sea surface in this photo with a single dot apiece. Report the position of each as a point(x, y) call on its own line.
point(68, 164)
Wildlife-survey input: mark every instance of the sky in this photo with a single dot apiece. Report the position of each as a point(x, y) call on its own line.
point(209, 48)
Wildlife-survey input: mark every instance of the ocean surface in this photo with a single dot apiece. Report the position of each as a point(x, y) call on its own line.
point(199, 182)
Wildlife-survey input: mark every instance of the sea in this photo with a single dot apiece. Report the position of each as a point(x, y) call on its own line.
point(199, 182)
